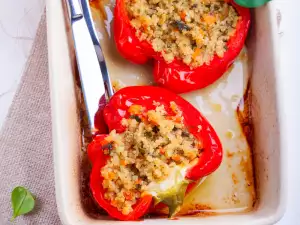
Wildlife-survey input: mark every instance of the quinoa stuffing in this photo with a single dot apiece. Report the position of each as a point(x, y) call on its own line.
point(152, 144)
point(190, 30)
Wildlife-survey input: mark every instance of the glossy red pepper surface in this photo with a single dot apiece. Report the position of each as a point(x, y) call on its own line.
point(118, 106)
point(117, 109)
point(177, 76)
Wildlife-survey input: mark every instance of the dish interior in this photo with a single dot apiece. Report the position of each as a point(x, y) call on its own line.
point(226, 104)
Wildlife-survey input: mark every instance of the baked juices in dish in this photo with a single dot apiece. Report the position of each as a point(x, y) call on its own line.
point(227, 186)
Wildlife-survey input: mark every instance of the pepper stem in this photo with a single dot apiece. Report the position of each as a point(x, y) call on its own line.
point(173, 197)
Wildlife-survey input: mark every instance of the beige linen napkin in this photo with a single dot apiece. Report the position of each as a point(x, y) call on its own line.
point(25, 141)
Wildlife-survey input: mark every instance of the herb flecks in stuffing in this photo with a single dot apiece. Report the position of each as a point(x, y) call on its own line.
point(146, 152)
point(180, 25)
point(192, 31)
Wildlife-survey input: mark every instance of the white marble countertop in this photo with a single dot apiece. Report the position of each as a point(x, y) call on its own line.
point(17, 31)
point(18, 24)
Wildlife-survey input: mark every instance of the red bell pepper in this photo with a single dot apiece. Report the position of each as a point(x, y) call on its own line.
point(117, 109)
point(177, 76)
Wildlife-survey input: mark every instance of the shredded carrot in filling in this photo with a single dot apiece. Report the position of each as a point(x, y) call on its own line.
point(145, 153)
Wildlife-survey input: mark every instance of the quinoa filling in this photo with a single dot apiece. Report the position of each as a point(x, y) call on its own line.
point(193, 31)
point(152, 145)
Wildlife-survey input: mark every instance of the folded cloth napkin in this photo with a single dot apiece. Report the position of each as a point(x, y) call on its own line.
point(25, 141)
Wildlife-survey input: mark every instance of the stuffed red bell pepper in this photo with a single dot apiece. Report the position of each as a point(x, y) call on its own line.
point(158, 145)
point(192, 42)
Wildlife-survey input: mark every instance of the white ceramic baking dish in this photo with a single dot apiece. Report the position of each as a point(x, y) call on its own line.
point(269, 151)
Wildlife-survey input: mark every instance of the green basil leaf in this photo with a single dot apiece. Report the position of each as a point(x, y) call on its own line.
point(251, 3)
point(22, 202)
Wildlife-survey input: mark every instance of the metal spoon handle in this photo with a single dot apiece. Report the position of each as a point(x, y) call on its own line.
point(89, 20)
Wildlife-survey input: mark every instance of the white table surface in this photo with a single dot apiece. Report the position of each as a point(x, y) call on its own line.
point(18, 24)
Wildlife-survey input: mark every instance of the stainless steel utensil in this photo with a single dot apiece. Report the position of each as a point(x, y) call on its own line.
point(94, 77)
point(89, 20)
